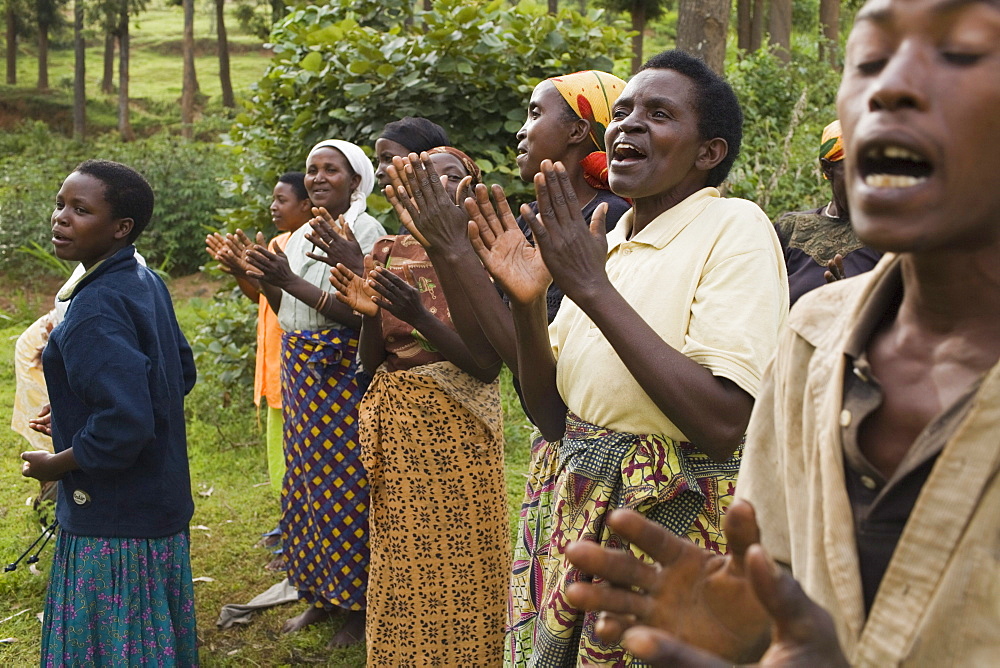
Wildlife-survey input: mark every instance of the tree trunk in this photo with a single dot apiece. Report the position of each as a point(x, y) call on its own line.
point(428, 5)
point(779, 27)
point(79, 74)
point(638, 12)
point(225, 81)
point(108, 81)
point(744, 19)
point(701, 30)
point(43, 56)
point(553, 6)
point(124, 124)
point(190, 83)
point(757, 25)
point(829, 24)
point(10, 16)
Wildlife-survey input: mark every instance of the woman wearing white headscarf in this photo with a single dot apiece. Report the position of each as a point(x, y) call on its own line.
point(324, 519)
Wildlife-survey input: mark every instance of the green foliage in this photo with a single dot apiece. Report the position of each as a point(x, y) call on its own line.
point(805, 16)
point(48, 259)
point(184, 177)
point(654, 8)
point(225, 345)
point(785, 109)
point(255, 16)
point(468, 66)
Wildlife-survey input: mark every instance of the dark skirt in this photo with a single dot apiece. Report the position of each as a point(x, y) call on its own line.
point(120, 602)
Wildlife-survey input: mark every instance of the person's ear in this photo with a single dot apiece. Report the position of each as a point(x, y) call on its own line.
point(827, 167)
point(123, 227)
point(355, 182)
point(579, 132)
point(305, 205)
point(711, 153)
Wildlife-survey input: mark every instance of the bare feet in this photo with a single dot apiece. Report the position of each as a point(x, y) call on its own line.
point(312, 615)
point(351, 633)
point(278, 564)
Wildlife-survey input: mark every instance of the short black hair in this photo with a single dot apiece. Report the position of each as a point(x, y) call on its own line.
point(125, 189)
point(719, 112)
point(415, 133)
point(297, 180)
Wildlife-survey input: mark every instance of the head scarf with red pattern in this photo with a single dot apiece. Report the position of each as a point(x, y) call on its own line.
point(591, 94)
point(470, 165)
point(831, 145)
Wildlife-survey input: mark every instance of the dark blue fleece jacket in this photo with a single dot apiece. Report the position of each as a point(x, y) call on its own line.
point(117, 369)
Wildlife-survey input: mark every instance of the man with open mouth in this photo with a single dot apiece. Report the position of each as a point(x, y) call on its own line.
point(872, 456)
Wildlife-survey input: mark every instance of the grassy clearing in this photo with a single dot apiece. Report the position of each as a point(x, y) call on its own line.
point(231, 503)
point(155, 71)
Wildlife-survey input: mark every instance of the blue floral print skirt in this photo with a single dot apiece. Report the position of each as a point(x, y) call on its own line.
point(120, 602)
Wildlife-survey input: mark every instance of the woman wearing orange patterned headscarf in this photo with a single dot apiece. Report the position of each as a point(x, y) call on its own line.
point(567, 116)
point(591, 94)
point(819, 245)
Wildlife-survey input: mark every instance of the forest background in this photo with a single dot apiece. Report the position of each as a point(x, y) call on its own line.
point(211, 100)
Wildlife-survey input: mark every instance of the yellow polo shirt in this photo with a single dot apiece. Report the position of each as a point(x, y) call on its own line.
point(709, 277)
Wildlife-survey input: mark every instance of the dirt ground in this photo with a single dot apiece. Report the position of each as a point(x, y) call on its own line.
point(37, 294)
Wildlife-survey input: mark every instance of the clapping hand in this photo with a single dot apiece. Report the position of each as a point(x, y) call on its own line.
point(423, 205)
point(269, 267)
point(514, 263)
point(214, 244)
point(574, 254)
point(354, 290)
point(335, 238)
point(229, 250)
point(691, 598)
point(398, 296)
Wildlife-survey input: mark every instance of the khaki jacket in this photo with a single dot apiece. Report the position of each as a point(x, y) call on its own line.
point(939, 601)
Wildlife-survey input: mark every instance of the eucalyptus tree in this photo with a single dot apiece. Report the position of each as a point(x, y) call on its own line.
point(48, 17)
point(225, 81)
point(79, 74)
point(189, 87)
point(642, 12)
point(702, 26)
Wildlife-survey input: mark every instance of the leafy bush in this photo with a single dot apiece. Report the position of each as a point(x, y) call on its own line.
point(185, 177)
point(785, 109)
point(470, 66)
point(225, 344)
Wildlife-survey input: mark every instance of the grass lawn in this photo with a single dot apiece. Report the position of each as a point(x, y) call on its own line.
point(155, 67)
point(233, 506)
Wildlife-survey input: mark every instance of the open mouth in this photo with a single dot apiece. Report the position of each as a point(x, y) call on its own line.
point(59, 238)
point(626, 150)
point(894, 166)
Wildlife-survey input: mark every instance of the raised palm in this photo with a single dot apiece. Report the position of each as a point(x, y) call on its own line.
point(514, 263)
point(235, 251)
point(423, 205)
point(698, 609)
point(701, 598)
point(353, 290)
